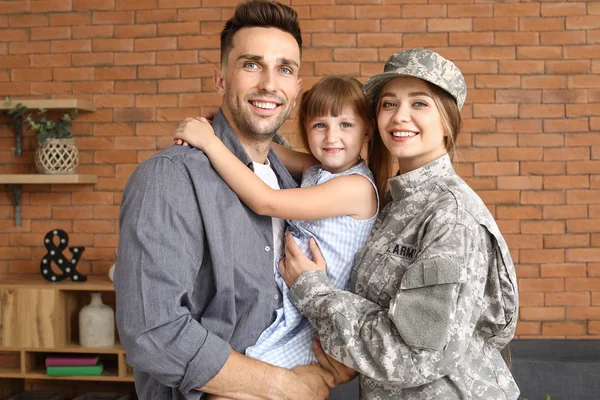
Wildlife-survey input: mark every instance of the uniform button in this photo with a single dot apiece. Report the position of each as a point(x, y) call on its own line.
point(276, 297)
point(267, 248)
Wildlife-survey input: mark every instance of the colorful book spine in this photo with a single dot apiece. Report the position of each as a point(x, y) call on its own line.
point(80, 370)
point(71, 360)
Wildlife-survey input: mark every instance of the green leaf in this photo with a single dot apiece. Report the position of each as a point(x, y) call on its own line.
point(7, 101)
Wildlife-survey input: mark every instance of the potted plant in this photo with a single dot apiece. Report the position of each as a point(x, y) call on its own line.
point(56, 152)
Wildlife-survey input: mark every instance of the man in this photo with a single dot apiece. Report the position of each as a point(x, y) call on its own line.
point(194, 277)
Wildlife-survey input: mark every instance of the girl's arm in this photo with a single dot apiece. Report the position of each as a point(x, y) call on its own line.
point(295, 161)
point(350, 195)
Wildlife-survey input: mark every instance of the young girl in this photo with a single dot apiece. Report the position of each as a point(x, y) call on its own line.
point(434, 293)
point(336, 205)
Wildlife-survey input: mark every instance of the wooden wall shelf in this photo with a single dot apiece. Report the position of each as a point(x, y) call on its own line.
point(52, 104)
point(39, 318)
point(15, 182)
point(37, 104)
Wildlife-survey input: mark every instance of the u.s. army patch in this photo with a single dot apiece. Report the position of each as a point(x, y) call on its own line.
point(403, 250)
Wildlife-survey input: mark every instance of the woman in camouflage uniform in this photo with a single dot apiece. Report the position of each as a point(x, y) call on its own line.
point(434, 294)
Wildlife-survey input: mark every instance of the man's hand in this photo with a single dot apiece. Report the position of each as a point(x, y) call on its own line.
point(341, 372)
point(295, 261)
point(317, 382)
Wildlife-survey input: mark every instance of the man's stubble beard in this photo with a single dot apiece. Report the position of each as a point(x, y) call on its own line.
point(242, 119)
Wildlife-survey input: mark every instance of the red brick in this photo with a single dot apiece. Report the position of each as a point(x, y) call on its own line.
point(583, 22)
point(51, 88)
point(568, 67)
point(524, 241)
point(495, 110)
point(425, 40)
point(87, 5)
point(142, 101)
point(542, 256)
point(583, 225)
point(541, 24)
point(485, 140)
point(70, 19)
point(350, 25)
point(31, 75)
point(496, 24)
point(93, 87)
point(521, 126)
point(147, 58)
point(51, 6)
point(490, 197)
point(542, 313)
point(113, 45)
point(528, 328)
point(497, 81)
point(518, 10)
point(95, 59)
point(564, 328)
point(539, 52)
point(583, 313)
point(203, 14)
point(582, 139)
point(424, 11)
point(562, 38)
point(382, 12)
point(519, 182)
point(583, 284)
point(566, 182)
point(545, 227)
point(564, 212)
point(134, 115)
point(516, 38)
point(570, 125)
point(585, 255)
point(496, 168)
point(581, 52)
point(177, 57)
point(543, 82)
point(113, 17)
point(28, 47)
point(566, 241)
point(403, 25)
point(518, 212)
point(524, 67)
point(73, 74)
point(541, 111)
point(583, 167)
point(114, 73)
point(542, 197)
point(562, 270)
point(135, 31)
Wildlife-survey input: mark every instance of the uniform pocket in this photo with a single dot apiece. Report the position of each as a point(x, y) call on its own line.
point(424, 307)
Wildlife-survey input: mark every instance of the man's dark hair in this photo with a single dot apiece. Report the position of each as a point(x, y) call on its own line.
point(262, 14)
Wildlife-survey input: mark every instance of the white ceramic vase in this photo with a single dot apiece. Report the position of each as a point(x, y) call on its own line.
point(96, 324)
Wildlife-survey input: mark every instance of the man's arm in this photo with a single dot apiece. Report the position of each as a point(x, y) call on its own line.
point(244, 378)
point(160, 253)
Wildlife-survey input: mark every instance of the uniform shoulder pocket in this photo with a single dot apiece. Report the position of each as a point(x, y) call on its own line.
point(423, 308)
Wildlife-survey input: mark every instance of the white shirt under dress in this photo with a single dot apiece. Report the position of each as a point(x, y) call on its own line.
point(287, 342)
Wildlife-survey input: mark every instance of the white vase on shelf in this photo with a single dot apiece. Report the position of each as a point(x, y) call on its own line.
point(96, 324)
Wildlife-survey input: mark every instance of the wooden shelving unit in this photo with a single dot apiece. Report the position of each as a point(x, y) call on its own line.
point(39, 318)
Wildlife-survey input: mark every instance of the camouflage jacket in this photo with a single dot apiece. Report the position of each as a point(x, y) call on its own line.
point(434, 296)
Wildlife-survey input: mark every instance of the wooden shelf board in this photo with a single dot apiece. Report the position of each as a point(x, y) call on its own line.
point(10, 373)
point(51, 104)
point(107, 375)
point(73, 348)
point(93, 284)
point(43, 179)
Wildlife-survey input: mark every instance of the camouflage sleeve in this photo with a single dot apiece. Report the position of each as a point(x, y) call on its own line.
point(426, 330)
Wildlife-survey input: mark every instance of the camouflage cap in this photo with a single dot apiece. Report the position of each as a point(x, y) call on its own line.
point(423, 64)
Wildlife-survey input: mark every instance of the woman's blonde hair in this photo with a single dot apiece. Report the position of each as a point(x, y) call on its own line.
point(330, 96)
point(381, 161)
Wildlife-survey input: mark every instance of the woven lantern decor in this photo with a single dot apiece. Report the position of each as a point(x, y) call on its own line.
point(57, 156)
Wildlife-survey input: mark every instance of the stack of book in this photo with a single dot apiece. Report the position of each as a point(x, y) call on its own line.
point(73, 365)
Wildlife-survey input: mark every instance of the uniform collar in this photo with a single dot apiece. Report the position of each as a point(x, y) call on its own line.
point(404, 185)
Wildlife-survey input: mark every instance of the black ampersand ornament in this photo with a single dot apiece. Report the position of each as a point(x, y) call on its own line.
point(54, 254)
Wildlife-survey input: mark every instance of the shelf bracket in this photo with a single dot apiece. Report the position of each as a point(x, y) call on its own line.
point(16, 191)
point(17, 122)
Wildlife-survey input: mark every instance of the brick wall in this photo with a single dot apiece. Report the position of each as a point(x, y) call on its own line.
point(530, 146)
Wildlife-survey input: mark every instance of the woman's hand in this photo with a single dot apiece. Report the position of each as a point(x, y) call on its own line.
point(295, 262)
point(196, 132)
